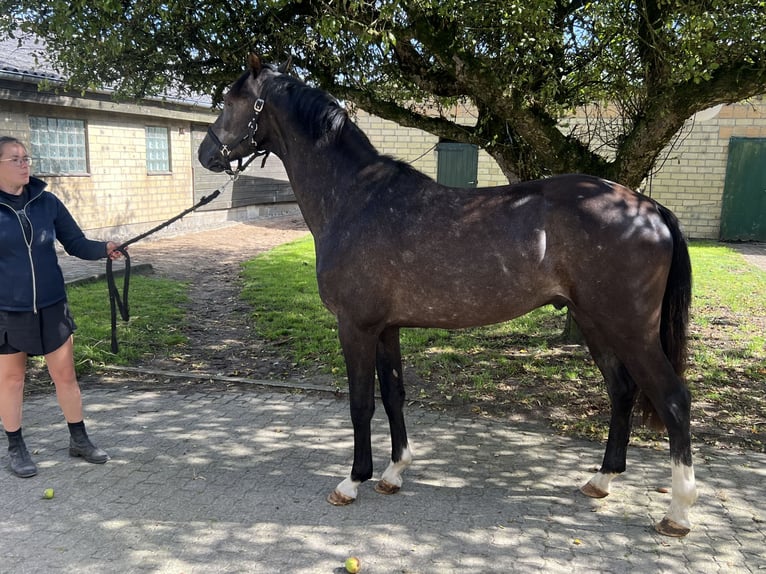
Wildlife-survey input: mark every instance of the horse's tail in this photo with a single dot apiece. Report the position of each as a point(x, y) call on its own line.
point(678, 297)
point(675, 309)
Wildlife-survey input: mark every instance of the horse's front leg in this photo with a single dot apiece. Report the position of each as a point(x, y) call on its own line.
point(389, 366)
point(359, 353)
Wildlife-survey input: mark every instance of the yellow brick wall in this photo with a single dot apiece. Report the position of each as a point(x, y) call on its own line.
point(418, 148)
point(689, 178)
point(117, 194)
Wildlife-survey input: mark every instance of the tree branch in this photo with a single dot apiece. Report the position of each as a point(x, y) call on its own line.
point(404, 116)
point(669, 110)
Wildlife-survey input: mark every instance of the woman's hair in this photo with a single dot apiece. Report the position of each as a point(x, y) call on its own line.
point(5, 140)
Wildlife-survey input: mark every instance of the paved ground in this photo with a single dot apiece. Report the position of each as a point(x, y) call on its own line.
point(219, 482)
point(754, 253)
point(230, 481)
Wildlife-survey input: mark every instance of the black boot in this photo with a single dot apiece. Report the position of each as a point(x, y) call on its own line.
point(21, 463)
point(80, 445)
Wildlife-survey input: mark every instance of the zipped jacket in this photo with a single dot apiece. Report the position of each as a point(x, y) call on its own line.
point(30, 276)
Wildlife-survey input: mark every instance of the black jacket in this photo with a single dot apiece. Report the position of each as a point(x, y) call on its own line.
point(30, 276)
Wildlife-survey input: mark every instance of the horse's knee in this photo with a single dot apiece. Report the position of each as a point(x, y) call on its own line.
point(361, 414)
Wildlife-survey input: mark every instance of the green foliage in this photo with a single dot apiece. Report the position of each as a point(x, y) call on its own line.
point(156, 316)
point(521, 65)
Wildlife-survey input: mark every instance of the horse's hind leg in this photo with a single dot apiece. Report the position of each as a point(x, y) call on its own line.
point(622, 392)
point(671, 399)
point(389, 366)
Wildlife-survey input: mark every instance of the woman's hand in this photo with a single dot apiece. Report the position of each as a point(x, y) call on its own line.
point(111, 250)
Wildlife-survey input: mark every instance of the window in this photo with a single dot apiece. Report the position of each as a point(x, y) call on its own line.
point(58, 145)
point(157, 149)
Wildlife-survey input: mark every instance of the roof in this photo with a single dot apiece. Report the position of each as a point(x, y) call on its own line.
point(17, 58)
point(23, 58)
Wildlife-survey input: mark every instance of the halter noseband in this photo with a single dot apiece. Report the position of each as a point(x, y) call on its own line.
point(252, 127)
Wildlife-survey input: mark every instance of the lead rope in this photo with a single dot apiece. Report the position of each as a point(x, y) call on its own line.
point(121, 301)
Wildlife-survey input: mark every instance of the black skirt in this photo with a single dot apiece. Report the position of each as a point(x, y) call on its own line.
point(35, 333)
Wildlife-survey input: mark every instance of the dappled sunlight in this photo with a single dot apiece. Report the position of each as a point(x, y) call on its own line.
point(211, 481)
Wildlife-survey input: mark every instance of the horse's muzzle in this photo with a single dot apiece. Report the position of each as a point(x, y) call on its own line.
point(210, 157)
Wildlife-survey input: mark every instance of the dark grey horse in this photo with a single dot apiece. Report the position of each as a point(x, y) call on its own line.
point(395, 249)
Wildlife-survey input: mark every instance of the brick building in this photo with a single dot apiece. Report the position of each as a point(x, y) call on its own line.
point(714, 177)
point(123, 167)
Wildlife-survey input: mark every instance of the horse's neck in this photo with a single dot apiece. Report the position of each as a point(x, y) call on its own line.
point(325, 180)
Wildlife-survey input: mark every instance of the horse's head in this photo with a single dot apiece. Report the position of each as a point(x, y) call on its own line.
point(235, 134)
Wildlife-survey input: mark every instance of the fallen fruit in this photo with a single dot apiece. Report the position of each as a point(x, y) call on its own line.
point(48, 493)
point(353, 565)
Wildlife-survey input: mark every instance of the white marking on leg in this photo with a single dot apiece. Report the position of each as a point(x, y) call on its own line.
point(348, 487)
point(599, 486)
point(393, 474)
point(684, 494)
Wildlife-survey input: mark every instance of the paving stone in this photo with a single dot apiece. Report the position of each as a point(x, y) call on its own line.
point(201, 483)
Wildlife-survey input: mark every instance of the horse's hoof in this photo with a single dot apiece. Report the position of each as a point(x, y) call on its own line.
point(592, 491)
point(669, 527)
point(385, 487)
point(339, 499)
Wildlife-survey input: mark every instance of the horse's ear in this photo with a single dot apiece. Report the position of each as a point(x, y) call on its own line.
point(286, 66)
point(255, 63)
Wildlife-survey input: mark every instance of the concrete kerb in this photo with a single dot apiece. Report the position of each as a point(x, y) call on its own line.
point(140, 269)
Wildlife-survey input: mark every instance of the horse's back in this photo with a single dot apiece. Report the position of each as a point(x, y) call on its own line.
point(600, 213)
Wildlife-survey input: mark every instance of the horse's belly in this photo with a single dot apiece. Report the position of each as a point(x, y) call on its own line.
point(459, 310)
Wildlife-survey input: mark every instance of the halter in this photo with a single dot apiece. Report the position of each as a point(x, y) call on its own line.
point(252, 127)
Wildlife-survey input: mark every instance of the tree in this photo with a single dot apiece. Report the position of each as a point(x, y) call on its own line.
point(522, 66)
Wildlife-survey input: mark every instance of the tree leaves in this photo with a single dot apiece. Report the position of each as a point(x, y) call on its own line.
point(522, 66)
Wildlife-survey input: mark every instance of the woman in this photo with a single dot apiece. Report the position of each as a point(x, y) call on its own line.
point(34, 315)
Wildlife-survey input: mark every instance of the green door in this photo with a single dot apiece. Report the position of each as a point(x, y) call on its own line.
point(457, 164)
point(743, 213)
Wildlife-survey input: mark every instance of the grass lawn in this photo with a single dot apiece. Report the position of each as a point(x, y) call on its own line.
point(521, 367)
point(155, 315)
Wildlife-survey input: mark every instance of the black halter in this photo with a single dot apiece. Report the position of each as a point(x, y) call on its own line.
point(249, 136)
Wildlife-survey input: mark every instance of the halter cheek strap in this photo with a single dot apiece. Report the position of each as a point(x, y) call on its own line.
point(252, 128)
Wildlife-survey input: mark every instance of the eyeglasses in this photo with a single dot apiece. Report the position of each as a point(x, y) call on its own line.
point(19, 161)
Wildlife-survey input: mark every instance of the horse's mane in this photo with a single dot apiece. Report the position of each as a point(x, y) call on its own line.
point(324, 120)
point(318, 113)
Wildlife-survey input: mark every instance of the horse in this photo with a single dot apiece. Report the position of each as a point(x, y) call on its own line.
point(395, 249)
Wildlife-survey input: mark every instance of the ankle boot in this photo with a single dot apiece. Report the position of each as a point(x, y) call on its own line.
point(21, 463)
point(80, 445)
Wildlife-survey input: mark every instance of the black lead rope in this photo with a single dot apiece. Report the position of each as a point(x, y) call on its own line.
point(121, 301)
point(115, 300)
